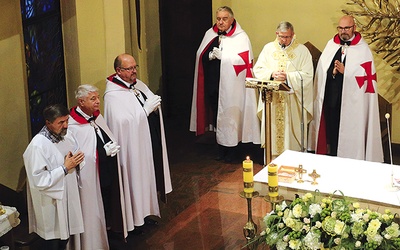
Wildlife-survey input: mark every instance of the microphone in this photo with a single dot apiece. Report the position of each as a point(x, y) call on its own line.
point(302, 99)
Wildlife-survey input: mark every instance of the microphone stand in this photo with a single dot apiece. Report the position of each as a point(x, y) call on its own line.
point(302, 99)
point(392, 187)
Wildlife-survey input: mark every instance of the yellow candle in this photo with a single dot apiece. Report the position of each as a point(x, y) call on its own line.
point(272, 180)
point(248, 175)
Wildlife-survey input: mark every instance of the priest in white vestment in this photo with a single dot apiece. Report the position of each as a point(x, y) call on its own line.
point(133, 114)
point(101, 188)
point(221, 101)
point(346, 111)
point(289, 61)
point(52, 161)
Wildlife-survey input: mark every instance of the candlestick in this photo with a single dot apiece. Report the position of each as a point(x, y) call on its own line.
point(272, 180)
point(248, 175)
point(250, 228)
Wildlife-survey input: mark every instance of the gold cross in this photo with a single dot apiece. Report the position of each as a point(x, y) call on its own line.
point(314, 176)
point(300, 170)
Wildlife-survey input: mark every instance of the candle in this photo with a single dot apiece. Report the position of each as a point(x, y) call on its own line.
point(248, 175)
point(272, 180)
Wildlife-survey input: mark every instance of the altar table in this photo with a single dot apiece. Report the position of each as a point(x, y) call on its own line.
point(367, 182)
point(8, 221)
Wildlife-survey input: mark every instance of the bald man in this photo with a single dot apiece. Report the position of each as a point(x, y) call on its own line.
point(133, 114)
point(346, 112)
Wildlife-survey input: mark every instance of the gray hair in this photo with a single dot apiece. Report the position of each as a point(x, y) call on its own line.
point(53, 111)
point(84, 90)
point(284, 26)
point(227, 9)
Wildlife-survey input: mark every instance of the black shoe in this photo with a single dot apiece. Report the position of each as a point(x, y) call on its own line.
point(137, 231)
point(230, 156)
point(149, 221)
point(221, 153)
point(219, 158)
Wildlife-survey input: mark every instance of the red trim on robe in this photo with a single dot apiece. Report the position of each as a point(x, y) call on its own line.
point(356, 39)
point(202, 118)
point(200, 102)
point(322, 147)
point(79, 118)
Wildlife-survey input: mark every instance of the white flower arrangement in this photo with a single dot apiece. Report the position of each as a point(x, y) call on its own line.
point(313, 222)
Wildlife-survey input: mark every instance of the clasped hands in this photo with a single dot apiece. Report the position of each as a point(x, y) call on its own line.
point(279, 75)
point(111, 148)
point(73, 160)
point(216, 53)
point(151, 104)
point(338, 68)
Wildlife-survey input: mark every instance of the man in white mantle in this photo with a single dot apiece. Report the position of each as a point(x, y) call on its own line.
point(346, 110)
point(221, 102)
point(51, 162)
point(133, 114)
point(101, 188)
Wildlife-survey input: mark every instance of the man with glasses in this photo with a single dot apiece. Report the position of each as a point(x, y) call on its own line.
point(286, 60)
point(221, 102)
point(346, 112)
point(133, 114)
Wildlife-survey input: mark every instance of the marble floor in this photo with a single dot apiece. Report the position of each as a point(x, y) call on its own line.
point(205, 210)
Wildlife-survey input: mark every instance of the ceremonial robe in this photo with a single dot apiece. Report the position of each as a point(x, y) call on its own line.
point(95, 235)
point(359, 128)
point(54, 206)
point(237, 105)
point(286, 106)
point(127, 120)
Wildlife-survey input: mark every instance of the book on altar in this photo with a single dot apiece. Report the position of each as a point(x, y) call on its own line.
point(286, 174)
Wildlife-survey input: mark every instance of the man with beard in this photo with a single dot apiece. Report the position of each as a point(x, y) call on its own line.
point(52, 165)
point(346, 112)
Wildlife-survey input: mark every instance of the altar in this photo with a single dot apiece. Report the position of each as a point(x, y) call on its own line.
point(9, 219)
point(366, 182)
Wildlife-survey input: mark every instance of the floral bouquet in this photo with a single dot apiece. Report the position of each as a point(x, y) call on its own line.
point(314, 222)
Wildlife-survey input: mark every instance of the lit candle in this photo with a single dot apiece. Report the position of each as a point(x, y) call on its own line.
point(272, 180)
point(248, 175)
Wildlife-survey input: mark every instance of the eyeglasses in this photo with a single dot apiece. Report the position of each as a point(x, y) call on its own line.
point(284, 37)
point(347, 28)
point(130, 68)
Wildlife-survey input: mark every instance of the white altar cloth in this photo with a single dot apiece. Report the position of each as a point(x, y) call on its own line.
point(354, 178)
point(9, 220)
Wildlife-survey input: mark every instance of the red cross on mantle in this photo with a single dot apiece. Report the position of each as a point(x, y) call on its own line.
point(246, 66)
point(368, 77)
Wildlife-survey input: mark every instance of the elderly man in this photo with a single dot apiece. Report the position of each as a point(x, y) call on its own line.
point(346, 111)
point(52, 161)
point(134, 115)
point(221, 101)
point(101, 188)
point(286, 60)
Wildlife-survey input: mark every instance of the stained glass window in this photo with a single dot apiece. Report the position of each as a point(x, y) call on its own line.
point(41, 21)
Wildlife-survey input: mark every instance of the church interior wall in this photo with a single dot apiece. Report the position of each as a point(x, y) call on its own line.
point(94, 32)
